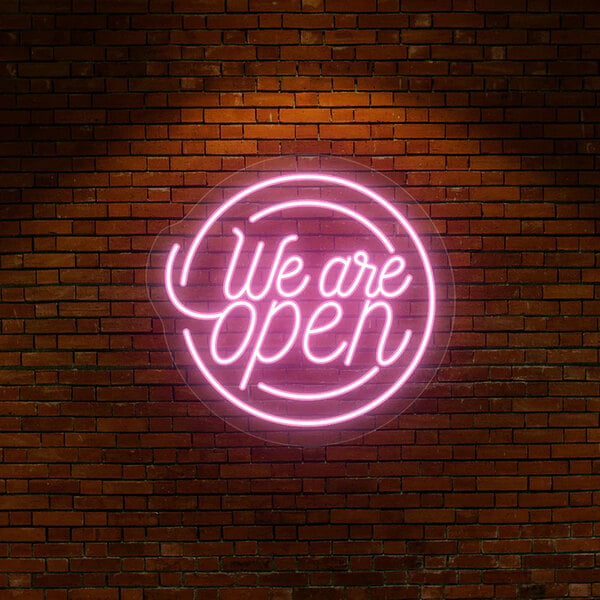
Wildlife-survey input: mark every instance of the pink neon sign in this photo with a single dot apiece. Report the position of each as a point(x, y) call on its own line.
point(356, 317)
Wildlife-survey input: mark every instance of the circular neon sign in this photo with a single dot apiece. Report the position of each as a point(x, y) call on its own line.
point(306, 300)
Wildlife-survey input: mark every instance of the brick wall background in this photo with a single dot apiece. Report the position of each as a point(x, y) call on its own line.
point(115, 482)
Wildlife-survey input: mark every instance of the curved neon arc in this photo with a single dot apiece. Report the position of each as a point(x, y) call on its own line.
point(329, 205)
point(319, 395)
point(194, 314)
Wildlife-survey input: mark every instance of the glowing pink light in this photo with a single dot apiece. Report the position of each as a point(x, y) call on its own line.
point(256, 354)
point(326, 205)
point(389, 315)
point(361, 259)
point(246, 288)
point(312, 330)
point(290, 268)
point(194, 314)
point(386, 273)
point(255, 411)
point(341, 391)
point(217, 330)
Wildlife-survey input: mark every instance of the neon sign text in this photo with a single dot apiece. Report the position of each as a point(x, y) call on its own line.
point(340, 285)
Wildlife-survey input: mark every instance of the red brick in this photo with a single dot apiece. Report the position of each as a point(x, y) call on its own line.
point(17, 594)
point(94, 594)
point(116, 481)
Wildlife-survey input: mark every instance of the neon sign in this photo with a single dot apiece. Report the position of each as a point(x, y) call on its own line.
point(307, 300)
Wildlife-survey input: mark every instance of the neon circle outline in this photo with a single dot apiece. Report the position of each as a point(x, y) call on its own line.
point(323, 422)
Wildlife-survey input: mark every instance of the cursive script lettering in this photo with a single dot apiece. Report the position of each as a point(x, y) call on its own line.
point(340, 277)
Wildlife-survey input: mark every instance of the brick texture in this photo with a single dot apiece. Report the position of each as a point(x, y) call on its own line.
point(115, 482)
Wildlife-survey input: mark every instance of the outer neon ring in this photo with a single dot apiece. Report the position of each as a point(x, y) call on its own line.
point(430, 309)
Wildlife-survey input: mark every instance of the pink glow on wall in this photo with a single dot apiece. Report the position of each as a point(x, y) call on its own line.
point(278, 296)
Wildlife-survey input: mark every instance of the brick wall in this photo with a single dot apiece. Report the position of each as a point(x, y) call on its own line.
point(115, 482)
